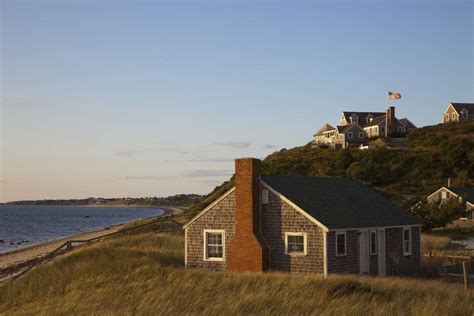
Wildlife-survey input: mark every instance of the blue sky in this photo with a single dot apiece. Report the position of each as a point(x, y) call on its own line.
point(156, 98)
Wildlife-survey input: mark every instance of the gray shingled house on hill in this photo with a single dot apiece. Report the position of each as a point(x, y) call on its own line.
point(446, 193)
point(302, 224)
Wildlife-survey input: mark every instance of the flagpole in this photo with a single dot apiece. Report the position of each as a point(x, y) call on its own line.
point(386, 118)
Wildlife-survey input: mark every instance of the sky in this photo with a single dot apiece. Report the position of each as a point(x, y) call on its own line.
point(134, 98)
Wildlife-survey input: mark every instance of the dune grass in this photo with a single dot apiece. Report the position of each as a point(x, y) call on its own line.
point(143, 274)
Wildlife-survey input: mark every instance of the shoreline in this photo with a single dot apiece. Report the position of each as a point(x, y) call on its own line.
point(18, 256)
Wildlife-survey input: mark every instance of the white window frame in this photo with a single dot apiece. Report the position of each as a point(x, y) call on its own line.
point(350, 135)
point(453, 116)
point(447, 117)
point(370, 241)
point(264, 196)
point(345, 244)
point(305, 243)
point(444, 195)
point(407, 253)
point(214, 231)
point(361, 135)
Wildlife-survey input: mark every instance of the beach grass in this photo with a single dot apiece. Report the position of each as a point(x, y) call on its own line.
point(143, 273)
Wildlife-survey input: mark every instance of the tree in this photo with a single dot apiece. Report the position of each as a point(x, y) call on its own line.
point(436, 215)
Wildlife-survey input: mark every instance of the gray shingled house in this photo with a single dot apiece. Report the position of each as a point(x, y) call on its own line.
point(302, 224)
point(446, 193)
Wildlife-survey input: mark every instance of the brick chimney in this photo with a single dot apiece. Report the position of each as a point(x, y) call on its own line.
point(247, 251)
point(390, 116)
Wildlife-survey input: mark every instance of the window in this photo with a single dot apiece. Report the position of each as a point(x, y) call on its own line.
point(373, 242)
point(354, 119)
point(382, 129)
point(295, 243)
point(447, 117)
point(349, 135)
point(264, 196)
point(444, 195)
point(214, 241)
point(464, 113)
point(407, 241)
point(453, 116)
point(361, 135)
point(340, 244)
point(400, 129)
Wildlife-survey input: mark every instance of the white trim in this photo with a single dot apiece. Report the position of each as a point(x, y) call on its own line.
point(325, 254)
point(376, 242)
point(382, 255)
point(218, 231)
point(410, 240)
point(296, 207)
point(373, 227)
point(209, 207)
point(305, 243)
point(185, 248)
point(345, 244)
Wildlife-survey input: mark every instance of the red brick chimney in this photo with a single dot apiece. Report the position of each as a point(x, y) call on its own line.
point(390, 116)
point(247, 251)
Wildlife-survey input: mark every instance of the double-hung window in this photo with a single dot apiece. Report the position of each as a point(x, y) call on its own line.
point(373, 242)
point(341, 244)
point(214, 243)
point(407, 241)
point(295, 243)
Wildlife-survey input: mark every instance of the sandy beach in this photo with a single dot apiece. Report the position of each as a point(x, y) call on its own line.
point(19, 256)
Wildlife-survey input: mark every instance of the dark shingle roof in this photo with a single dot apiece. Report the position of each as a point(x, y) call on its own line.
point(467, 193)
point(339, 202)
point(468, 106)
point(362, 116)
point(376, 121)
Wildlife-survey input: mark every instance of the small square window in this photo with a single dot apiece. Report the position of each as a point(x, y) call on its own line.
point(295, 243)
point(349, 135)
point(444, 195)
point(340, 244)
point(264, 196)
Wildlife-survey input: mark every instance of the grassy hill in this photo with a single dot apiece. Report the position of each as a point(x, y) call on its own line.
point(143, 273)
point(436, 153)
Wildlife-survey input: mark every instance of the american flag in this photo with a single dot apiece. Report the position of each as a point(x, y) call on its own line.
point(394, 95)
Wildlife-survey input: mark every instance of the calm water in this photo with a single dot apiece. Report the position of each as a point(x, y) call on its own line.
point(21, 226)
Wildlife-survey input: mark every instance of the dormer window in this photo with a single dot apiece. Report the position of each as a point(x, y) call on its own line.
point(354, 119)
point(464, 113)
point(369, 118)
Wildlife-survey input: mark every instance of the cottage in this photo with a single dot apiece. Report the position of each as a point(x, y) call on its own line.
point(302, 224)
point(458, 112)
point(444, 194)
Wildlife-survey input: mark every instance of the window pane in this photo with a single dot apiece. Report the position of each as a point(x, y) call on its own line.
point(341, 244)
point(214, 247)
point(295, 244)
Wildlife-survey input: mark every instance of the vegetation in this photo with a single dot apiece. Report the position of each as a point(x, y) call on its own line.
point(175, 200)
point(436, 153)
point(143, 274)
point(436, 215)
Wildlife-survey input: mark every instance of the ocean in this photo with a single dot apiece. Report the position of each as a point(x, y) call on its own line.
point(24, 225)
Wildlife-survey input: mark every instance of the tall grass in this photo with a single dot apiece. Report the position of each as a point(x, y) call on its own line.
point(434, 242)
point(143, 274)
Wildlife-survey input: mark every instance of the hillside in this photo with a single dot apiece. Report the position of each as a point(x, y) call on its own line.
point(436, 153)
point(143, 273)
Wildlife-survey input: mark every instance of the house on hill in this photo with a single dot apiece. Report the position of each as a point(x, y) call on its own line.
point(458, 112)
point(444, 194)
point(355, 128)
point(302, 224)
